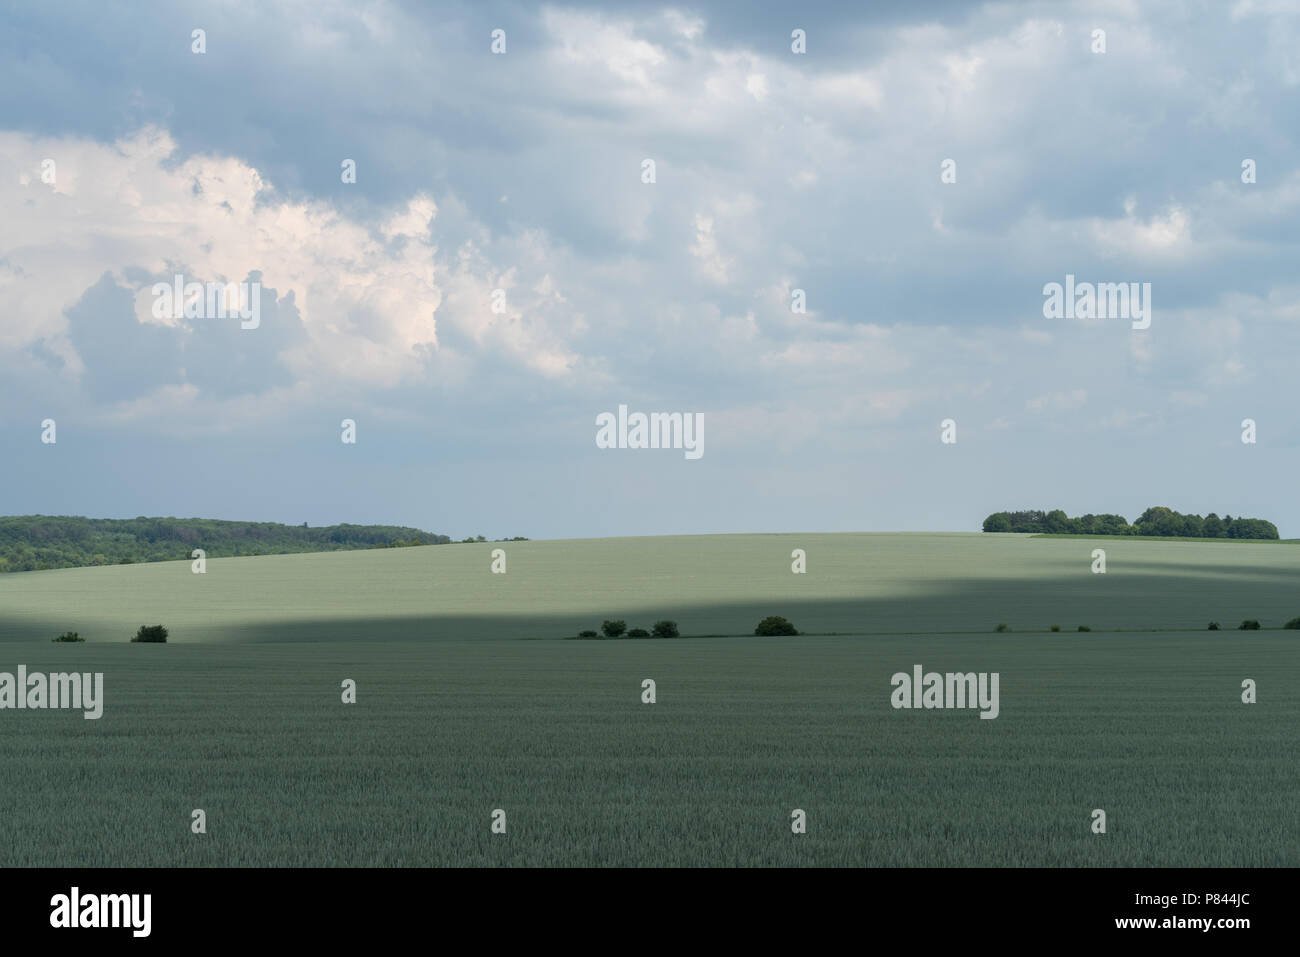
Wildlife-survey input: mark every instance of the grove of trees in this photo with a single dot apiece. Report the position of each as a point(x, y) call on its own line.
point(1156, 520)
point(35, 542)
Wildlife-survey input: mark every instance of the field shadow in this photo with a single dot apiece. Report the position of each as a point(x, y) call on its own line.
point(1165, 596)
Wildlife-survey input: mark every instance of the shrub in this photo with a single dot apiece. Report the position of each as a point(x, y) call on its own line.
point(1084, 628)
point(1214, 626)
point(1293, 623)
point(1004, 627)
point(1250, 624)
point(775, 625)
point(588, 634)
point(638, 633)
point(613, 629)
point(69, 636)
point(1056, 628)
point(151, 633)
point(665, 629)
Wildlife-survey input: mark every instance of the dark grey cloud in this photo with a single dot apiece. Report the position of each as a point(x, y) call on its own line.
point(124, 358)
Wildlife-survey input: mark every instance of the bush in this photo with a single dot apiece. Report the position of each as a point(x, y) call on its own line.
point(638, 633)
point(151, 633)
point(1250, 624)
point(1056, 628)
point(1293, 623)
point(665, 629)
point(69, 636)
point(588, 634)
point(775, 625)
point(1004, 627)
point(1214, 626)
point(613, 629)
point(1084, 628)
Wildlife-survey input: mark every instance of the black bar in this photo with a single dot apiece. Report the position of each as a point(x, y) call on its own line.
point(973, 906)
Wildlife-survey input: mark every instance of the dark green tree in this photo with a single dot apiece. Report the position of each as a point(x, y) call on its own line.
point(997, 522)
point(775, 625)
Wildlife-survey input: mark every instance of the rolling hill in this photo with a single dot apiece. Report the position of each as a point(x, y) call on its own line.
point(717, 584)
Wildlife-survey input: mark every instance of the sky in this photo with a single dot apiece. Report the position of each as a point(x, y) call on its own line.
point(504, 268)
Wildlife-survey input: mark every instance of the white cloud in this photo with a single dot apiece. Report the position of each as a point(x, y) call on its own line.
point(1164, 234)
point(588, 39)
point(712, 264)
point(370, 300)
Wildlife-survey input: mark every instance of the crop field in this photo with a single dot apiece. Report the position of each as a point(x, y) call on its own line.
point(240, 713)
point(1149, 728)
point(710, 584)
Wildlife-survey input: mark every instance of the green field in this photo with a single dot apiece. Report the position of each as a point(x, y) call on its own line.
point(710, 584)
point(241, 714)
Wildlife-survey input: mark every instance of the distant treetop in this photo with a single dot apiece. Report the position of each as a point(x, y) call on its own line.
point(1157, 520)
point(34, 542)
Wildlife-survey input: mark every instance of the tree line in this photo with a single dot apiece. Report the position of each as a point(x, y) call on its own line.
point(37, 542)
point(1157, 520)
